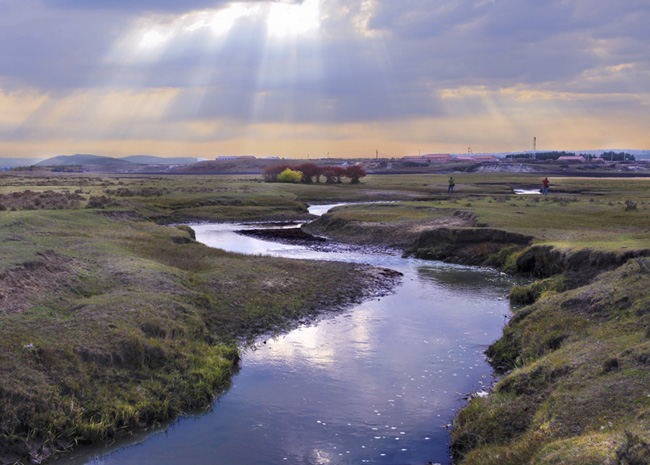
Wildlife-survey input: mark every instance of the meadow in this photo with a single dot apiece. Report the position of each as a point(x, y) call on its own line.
point(113, 318)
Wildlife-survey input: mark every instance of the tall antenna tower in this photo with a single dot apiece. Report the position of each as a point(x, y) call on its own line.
point(535, 147)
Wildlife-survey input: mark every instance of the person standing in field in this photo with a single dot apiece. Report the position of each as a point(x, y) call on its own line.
point(450, 189)
point(545, 184)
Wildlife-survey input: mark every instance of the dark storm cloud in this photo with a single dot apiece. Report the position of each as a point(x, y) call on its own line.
point(411, 51)
point(502, 42)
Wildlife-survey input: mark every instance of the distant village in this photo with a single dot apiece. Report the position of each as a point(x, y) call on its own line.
point(441, 158)
point(639, 161)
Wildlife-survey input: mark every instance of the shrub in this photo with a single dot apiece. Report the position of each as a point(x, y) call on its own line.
point(503, 257)
point(630, 206)
point(289, 175)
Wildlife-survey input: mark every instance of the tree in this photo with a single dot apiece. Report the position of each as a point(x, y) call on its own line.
point(309, 171)
point(339, 172)
point(355, 173)
point(330, 175)
point(271, 173)
point(614, 156)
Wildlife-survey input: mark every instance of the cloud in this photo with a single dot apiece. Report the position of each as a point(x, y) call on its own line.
point(143, 6)
point(103, 69)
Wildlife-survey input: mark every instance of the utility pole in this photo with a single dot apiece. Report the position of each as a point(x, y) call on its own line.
point(535, 147)
point(376, 154)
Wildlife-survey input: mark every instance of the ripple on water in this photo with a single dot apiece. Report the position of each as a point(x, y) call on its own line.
point(372, 386)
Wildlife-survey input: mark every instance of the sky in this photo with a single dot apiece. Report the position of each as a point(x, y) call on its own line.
point(318, 78)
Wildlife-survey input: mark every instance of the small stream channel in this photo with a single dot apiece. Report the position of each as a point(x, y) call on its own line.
point(377, 384)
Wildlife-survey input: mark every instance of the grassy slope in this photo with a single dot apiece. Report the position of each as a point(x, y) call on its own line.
point(579, 390)
point(109, 323)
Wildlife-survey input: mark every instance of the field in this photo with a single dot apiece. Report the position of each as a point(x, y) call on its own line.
point(113, 318)
point(111, 321)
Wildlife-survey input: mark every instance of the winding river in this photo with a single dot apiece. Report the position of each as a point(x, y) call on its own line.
point(377, 384)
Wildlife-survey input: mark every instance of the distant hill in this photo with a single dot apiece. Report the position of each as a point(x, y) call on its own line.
point(241, 166)
point(87, 159)
point(151, 160)
point(81, 159)
point(6, 163)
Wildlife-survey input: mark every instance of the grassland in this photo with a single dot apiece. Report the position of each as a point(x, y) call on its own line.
point(111, 321)
point(602, 214)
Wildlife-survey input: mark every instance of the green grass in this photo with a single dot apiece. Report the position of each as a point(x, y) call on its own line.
point(579, 379)
point(567, 221)
point(110, 322)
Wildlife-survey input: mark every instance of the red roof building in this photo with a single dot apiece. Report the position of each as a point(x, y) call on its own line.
point(439, 157)
point(484, 158)
point(571, 159)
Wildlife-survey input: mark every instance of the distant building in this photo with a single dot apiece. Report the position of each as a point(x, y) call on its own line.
point(415, 159)
point(571, 159)
point(236, 157)
point(476, 158)
point(439, 157)
point(486, 158)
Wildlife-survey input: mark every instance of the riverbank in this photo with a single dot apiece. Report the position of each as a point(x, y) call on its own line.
point(576, 350)
point(112, 323)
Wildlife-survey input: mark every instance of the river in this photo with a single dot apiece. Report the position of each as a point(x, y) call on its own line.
point(378, 383)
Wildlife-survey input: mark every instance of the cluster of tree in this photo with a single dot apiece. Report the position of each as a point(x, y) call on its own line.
point(310, 172)
point(621, 156)
point(541, 155)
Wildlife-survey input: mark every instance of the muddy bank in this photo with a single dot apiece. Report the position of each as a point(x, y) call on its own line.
point(297, 236)
point(468, 246)
point(288, 235)
point(455, 238)
point(583, 265)
point(399, 235)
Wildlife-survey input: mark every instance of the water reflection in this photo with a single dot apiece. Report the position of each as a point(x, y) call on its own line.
point(527, 191)
point(376, 384)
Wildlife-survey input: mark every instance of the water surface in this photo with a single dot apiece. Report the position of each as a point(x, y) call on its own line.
point(378, 383)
